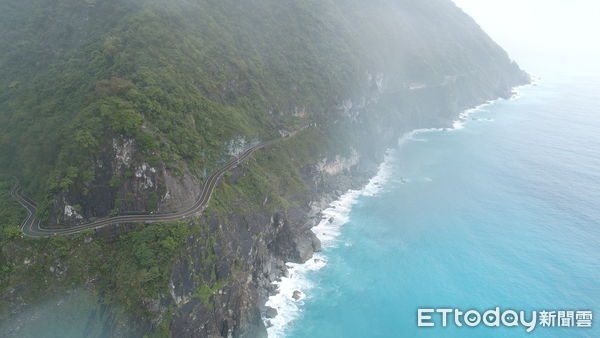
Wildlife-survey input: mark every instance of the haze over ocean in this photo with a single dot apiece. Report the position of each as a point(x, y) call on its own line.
point(502, 212)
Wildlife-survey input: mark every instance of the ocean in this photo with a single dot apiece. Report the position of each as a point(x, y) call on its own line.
point(502, 211)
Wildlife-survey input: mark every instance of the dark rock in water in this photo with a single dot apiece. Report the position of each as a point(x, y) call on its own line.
point(331, 219)
point(297, 295)
point(271, 312)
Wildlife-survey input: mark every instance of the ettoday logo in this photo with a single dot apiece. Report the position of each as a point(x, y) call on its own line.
point(510, 318)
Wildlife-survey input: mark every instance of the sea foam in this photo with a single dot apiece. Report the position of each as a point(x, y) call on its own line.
point(328, 231)
point(329, 228)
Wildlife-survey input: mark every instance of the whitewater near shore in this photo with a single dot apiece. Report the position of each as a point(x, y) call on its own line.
point(296, 285)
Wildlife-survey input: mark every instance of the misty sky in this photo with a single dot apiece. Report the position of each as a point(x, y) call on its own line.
point(543, 35)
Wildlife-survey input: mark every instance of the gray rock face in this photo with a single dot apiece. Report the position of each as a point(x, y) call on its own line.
point(264, 240)
point(251, 248)
point(297, 295)
point(430, 63)
point(271, 312)
point(125, 183)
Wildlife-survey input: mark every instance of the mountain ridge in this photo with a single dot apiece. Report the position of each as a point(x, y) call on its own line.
point(129, 106)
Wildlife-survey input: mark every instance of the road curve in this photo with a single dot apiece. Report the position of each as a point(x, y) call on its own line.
point(32, 227)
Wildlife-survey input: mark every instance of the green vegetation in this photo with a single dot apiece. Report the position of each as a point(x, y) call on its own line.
point(11, 212)
point(179, 79)
point(204, 291)
point(183, 78)
point(130, 271)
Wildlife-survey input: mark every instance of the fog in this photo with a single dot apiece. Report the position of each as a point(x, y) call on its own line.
point(543, 36)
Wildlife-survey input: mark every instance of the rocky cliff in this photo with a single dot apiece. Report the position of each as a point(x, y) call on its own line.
point(149, 104)
point(267, 239)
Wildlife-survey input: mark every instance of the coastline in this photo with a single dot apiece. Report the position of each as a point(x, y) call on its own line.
point(295, 283)
point(294, 286)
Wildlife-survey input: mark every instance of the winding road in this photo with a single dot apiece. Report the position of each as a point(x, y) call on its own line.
point(33, 228)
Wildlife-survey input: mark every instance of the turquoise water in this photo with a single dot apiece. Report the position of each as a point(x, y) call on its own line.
point(504, 212)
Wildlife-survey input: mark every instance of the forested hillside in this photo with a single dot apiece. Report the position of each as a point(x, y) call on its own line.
point(118, 106)
point(180, 79)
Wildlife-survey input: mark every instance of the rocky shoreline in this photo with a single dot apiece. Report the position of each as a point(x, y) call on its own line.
point(247, 251)
point(329, 188)
point(149, 98)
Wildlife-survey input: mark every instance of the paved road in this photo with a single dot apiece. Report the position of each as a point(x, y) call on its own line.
point(33, 228)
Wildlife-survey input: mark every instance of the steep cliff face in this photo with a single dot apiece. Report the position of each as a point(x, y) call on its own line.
point(263, 240)
point(147, 104)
